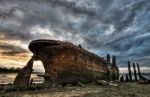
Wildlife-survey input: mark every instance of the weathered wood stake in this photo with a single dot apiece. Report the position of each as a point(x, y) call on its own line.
point(129, 71)
point(134, 68)
point(139, 72)
point(114, 67)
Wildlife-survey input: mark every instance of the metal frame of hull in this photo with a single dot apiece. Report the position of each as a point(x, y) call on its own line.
point(67, 63)
point(70, 64)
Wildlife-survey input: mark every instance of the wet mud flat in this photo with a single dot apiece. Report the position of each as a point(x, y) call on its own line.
point(122, 90)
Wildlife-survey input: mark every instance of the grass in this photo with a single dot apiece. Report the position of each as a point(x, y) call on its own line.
point(123, 90)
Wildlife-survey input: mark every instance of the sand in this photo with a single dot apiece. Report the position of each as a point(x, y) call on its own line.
point(123, 90)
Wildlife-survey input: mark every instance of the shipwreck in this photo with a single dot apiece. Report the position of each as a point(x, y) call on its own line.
point(65, 62)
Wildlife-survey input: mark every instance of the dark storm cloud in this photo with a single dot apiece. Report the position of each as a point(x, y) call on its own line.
point(11, 49)
point(11, 53)
point(72, 7)
point(119, 27)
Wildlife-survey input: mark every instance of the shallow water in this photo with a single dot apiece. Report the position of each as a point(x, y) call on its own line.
point(146, 76)
point(6, 78)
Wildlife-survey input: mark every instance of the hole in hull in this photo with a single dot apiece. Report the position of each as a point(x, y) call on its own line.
point(38, 69)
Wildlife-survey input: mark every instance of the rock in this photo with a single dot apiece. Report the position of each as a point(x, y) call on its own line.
point(68, 85)
point(102, 83)
point(143, 81)
point(60, 86)
point(53, 85)
point(113, 84)
point(80, 84)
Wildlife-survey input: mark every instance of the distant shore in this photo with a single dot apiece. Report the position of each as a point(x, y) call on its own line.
point(14, 70)
point(9, 70)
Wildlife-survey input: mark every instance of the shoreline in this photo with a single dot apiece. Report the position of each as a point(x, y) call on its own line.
point(131, 89)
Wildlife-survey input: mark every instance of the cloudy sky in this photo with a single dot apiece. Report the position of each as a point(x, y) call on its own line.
point(117, 27)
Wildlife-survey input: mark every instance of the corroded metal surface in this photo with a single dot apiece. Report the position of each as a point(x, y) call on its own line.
point(65, 62)
point(23, 77)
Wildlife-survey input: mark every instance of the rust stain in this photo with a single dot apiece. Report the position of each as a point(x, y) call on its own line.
point(65, 62)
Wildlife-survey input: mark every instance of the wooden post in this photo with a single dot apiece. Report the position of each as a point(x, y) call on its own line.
point(134, 68)
point(127, 78)
point(139, 72)
point(113, 67)
point(129, 71)
point(108, 67)
point(108, 58)
point(122, 78)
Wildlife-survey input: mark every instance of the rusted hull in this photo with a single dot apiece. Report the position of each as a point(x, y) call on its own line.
point(63, 65)
point(67, 63)
point(23, 77)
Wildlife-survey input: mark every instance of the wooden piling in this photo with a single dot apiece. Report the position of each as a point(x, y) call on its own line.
point(139, 72)
point(108, 58)
point(108, 67)
point(127, 78)
point(129, 71)
point(135, 74)
point(113, 65)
